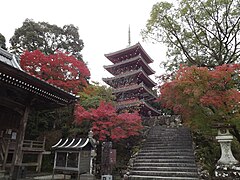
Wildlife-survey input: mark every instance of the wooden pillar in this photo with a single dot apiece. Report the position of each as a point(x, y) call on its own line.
point(40, 157)
point(39, 161)
point(18, 154)
point(6, 154)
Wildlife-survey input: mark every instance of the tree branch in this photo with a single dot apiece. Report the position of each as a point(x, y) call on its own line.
point(174, 33)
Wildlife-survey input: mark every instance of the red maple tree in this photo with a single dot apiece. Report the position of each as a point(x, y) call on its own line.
point(107, 124)
point(58, 69)
point(213, 93)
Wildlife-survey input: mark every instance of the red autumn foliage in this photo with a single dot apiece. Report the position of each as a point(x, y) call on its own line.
point(198, 89)
point(58, 69)
point(107, 123)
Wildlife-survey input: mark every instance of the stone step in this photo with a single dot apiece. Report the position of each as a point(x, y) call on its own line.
point(165, 157)
point(170, 146)
point(164, 150)
point(167, 144)
point(164, 153)
point(168, 169)
point(168, 135)
point(164, 164)
point(138, 177)
point(170, 131)
point(174, 133)
point(168, 139)
point(137, 160)
point(165, 173)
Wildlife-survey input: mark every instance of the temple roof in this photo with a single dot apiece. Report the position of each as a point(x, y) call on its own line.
point(130, 62)
point(9, 59)
point(140, 103)
point(128, 53)
point(73, 143)
point(24, 85)
point(140, 73)
point(135, 87)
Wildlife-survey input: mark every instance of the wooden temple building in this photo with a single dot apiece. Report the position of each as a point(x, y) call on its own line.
point(19, 94)
point(131, 83)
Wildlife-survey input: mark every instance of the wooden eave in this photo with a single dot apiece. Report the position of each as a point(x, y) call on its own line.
point(70, 144)
point(140, 103)
point(45, 94)
point(125, 53)
point(130, 62)
point(148, 81)
point(135, 87)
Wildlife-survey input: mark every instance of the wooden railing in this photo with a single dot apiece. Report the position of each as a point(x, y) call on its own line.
point(29, 147)
point(35, 145)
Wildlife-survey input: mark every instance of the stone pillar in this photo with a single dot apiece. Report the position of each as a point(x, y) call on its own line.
point(106, 167)
point(227, 166)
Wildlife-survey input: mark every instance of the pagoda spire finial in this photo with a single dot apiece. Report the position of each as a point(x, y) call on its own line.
point(129, 36)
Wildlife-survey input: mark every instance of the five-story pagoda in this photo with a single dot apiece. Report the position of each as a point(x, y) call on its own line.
point(130, 82)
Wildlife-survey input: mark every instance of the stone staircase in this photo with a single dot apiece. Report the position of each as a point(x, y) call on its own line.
point(166, 154)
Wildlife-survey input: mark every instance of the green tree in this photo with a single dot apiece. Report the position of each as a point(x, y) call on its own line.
point(203, 33)
point(93, 94)
point(47, 38)
point(90, 98)
point(2, 42)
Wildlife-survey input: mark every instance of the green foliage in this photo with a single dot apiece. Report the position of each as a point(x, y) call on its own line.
point(125, 149)
point(202, 33)
point(47, 38)
point(93, 94)
point(207, 150)
point(90, 97)
point(51, 124)
point(2, 42)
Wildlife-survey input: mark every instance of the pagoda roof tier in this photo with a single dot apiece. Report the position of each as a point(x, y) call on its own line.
point(138, 103)
point(128, 53)
point(130, 62)
point(140, 73)
point(136, 87)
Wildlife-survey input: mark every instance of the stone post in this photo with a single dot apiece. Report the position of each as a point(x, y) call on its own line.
point(106, 167)
point(227, 166)
point(89, 175)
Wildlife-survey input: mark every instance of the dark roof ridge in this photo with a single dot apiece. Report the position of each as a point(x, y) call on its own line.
point(9, 59)
point(128, 48)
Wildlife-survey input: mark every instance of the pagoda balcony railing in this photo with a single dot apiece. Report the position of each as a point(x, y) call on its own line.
point(124, 70)
point(140, 70)
point(135, 86)
point(136, 102)
point(129, 101)
point(128, 73)
point(129, 61)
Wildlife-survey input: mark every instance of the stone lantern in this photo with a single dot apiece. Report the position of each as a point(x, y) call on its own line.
point(227, 166)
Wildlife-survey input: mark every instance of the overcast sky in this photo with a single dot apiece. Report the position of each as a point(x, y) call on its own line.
point(103, 25)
